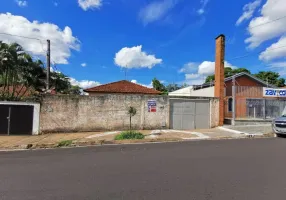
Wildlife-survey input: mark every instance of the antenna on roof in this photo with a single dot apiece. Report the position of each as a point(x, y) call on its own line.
point(126, 74)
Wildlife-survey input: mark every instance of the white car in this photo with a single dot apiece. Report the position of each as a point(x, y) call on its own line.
point(279, 125)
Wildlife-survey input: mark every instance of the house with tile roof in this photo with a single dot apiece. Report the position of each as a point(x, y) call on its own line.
point(121, 87)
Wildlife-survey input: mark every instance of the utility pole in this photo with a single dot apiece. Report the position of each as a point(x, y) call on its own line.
point(48, 64)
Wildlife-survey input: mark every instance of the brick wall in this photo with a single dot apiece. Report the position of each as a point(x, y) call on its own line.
point(101, 112)
point(219, 75)
point(246, 87)
point(242, 81)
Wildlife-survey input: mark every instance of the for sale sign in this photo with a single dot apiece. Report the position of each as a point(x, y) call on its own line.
point(152, 106)
point(272, 92)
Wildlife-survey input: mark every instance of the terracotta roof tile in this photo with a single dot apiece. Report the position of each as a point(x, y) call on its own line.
point(18, 90)
point(122, 87)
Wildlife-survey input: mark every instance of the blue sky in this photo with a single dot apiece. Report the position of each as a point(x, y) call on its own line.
point(94, 41)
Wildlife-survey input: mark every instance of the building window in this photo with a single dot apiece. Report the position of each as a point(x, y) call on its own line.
point(230, 100)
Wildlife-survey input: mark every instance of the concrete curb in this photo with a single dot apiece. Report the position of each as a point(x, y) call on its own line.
point(93, 144)
point(239, 132)
point(230, 130)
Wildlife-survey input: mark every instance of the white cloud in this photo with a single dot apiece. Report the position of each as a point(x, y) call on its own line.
point(266, 26)
point(189, 67)
point(148, 86)
point(248, 11)
point(192, 76)
point(84, 84)
point(197, 73)
point(22, 3)
point(134, 57)
point(83, 64)
point(197, 81)
point(275, 51)
point(89, 4)
point(279, 67)
point(156, 10)
point(208, 67)
point(203, 5)
point(62, 41)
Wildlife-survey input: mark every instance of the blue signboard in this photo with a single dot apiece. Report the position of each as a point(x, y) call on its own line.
point(152, 105)
point(272, 92)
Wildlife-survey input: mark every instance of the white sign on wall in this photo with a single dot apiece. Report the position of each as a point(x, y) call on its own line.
point(272, 92)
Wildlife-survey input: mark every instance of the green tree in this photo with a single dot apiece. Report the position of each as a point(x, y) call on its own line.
point(157, 85)
point(270, 77)
point(227, 73)
point(61, 83)
point(18, 69)
point(239, 70)
point(172, 87)
point(20, 73)
point(76, 90)
point(210, 78)
point(132, 112)
point(184, 85)
point(165, 89)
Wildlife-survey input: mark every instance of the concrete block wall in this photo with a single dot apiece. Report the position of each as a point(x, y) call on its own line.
point(214, 115)
point(101, 112)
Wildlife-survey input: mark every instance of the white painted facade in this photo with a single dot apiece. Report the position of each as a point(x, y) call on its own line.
point(190, 92)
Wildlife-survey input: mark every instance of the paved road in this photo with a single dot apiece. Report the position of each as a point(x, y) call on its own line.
point(216, 170)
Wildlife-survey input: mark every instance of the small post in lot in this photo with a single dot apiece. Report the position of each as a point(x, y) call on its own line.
point(9, 120)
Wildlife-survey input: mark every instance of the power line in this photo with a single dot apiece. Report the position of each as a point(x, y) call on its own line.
point(252, 27)
point(20, 36)
point(254, 53)
point(30, 38)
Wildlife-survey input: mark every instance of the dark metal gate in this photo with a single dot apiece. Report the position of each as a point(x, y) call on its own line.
point(4, 113)
point(16, 119)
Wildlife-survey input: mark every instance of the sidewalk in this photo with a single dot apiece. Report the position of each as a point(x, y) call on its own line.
point(100, 138)
point(260, 129)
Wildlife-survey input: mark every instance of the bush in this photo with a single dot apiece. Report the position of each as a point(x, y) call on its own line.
point(65, 143)
point(130, 135)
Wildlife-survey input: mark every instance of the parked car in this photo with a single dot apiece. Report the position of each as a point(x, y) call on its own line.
point(279, 125)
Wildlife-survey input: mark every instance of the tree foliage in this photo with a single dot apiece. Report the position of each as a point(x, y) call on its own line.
point(132, 112)
point(165, 89)
point(270, 77)
point(157, 85)
point(20, 74)
point(227, 73)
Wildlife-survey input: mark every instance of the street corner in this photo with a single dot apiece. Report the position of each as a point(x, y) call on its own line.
point(250, 131)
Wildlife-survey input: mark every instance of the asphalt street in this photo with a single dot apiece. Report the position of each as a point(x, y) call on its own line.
point(253, 169)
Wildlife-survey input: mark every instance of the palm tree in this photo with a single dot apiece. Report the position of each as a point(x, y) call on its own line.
point(11, 55)
point(20, 73)
point(18, 69)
